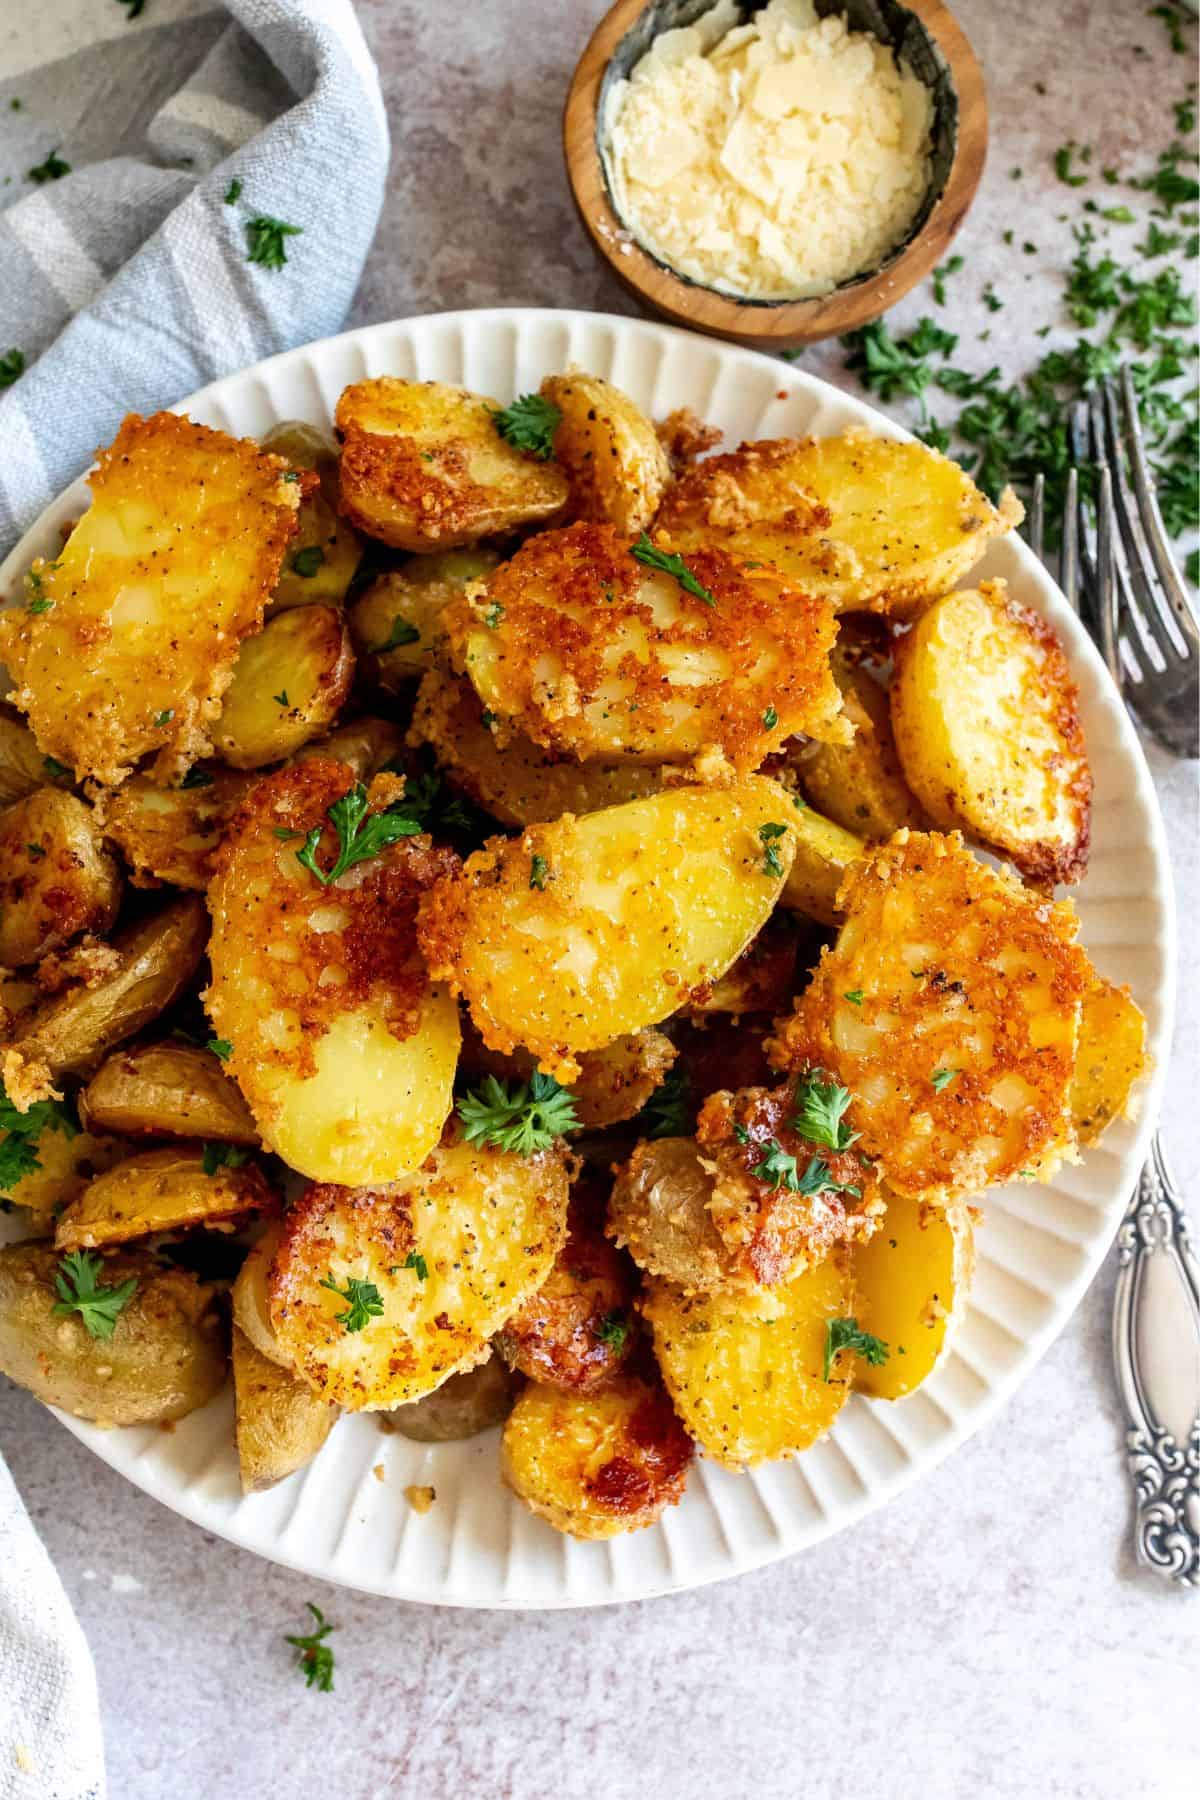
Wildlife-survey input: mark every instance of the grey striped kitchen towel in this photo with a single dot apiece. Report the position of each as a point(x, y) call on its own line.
point(141, 140)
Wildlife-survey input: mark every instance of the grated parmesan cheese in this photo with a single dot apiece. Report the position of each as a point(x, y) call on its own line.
point(773, 160)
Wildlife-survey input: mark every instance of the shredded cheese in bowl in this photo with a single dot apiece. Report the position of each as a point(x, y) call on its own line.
point(773, 160)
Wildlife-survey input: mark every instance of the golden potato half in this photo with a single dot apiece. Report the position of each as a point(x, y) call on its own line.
point(949, 1007)
point(1110, 1061)
point(279, 1422)
point(860, 785)
point(424, 467)
point(912, 1281)
point(167, 1090)
point(578, 932)
point(140, 617)
point(987, 725)
point(870, 522)
point(57, 880)
point(170, 834)
point(581, 646)
point(448, 1254)
point(397, 622)
point(289, 684)
point(599, 1463)
point(609, 451)
point(161, 1190)
point(579, 1328)
point(325, 552)
point(746, 1371)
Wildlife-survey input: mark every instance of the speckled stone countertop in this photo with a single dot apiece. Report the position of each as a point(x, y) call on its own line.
point(988, 1634)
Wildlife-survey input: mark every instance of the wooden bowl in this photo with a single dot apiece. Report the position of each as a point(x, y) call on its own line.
point(937, 50)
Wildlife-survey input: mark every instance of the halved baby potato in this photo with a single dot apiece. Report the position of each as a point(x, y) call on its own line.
point(167, 1354)
point(170, 834)
point(279, 1422)
point(579, 1328)
point(609, 451)
point(860, 785)
point(450, 1254)
point(343, 1049)
point(825, 853)
point(986, 716)
point(466, 1404)
point(911, 1282)
point(424, 467)
point(289, 685)
point(1110, 1060)
point(579, 645)
point(660, 1211)
point(614, 1082)
point(578, 932)
point(746, 1371)
point(57, 880)
point(949, 1007)
point(325, 552)
point(868, 521)
point(251, 1304)
point(599, 1463)
point(519, 783)
point(67, 1162)
point(167, 1090)
point(22, 765)
point(160, 1190)
point(397, 622)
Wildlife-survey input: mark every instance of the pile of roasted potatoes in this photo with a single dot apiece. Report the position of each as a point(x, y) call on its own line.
point(492, 934)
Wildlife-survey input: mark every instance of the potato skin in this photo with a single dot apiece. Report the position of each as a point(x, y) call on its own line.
point(22, 765)
point(912, 1281)
point(578, 1329)
point(56, 878)
point(596, 1464)
point(160, 1190)
point(483, 1224)
point(166, 1090)
point(986, 716)
point(289, 684)
point(412, 599)
point(1110, 1060)
point(279, 1422)
point(659, 1211)
point(824, 854)
point(578, 645)
point(424, 467)
point(196, 522)
point(251, 1303)
point(166, 1357)
point(466, 1404)
point(959, 970)
point(860, 785)
point(630, 920)
point(343, 1050)
point(73, 1032)
point(609, 451)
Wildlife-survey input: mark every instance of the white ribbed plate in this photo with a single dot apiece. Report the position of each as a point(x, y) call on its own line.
point(1038, 1248)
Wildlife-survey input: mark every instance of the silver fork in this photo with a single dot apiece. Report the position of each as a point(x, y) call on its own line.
point(1156, 1306)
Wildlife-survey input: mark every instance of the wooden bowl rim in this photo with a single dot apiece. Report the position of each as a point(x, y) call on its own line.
point(782, 323)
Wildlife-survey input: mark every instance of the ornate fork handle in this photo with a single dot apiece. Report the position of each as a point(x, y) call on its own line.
point(1156, 1350)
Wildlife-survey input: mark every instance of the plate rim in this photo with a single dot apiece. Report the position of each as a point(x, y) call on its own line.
point(191, 1503)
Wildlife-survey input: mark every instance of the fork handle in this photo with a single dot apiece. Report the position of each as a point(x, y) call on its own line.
point(1156, 1350)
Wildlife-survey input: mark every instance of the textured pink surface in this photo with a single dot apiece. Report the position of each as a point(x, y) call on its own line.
point(987, 1635)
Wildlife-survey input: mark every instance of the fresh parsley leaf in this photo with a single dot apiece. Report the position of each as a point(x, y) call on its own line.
point(39, 606)
point(523, 1117)
point(1173, 23)
point(652, 558)
point(55, 770)
point(493, 615)
point(819, 1178)
point(777, 1167)
point(363, 1300)
point(769, 836)
point(197, 778)
point(846, 1334)
point(1062, 166)
point(820, 1106)
point(265, 237)
point(11, 365)
point(770, 718)
point(77, 1285)
point(223, 1156)
point(529, 424)
point(855, 996)
point(415, 1261)
point(668, 1112)
point(401, 633)
point(942, 1078)
point(281, 698)
point(22, 1131)
point(316, 1657)
point(37, 851)
point(359, 836)
point(950, 267)
point(221, 1048)
point(164, 718)
point(612, 1330)
point(539, 870)
point(53, 169)
point(233, 192)
point(306, 562)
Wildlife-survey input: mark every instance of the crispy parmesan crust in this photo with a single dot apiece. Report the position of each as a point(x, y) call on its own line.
point(577, 1330)
point(171, 834)
point(577, 645)
point(961, 971)
point(138, 644)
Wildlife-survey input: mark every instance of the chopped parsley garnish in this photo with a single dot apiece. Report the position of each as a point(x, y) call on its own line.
point(401, 633)
point(11, 365)
point(306, 562)
point(846, 1334)
point(416, 1262)
point(221, 1048)
point(820, 1106)
point(855, 996)
point(316, 1657)
point(37, 851)
point(539, 871)
point(39, 606)
point(78, 1287)
point(363, 1302)
point(668, 1112)
point(529, 424)
point(523, 1117)
point(233, 192)
point(163, 718)
point(777, 1167)
point(197, 778)
point(56, 770)
point(770, 718)
point(652, 558)
point(942, 1078)
point(223, 1156)
point(1173, 23)
point(950, 267)
point(1062, 166)
point(53, 169)
point(18, 1147)
point(266, 238)
point(769, 836)
point(359, 836)
point(493, 615)
point(612, 1330)
point(281, 698)
point(819, 1178)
